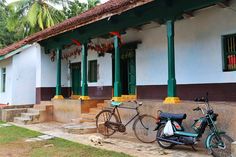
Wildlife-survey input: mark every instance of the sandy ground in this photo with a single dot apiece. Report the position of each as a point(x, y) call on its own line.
point(118, 142)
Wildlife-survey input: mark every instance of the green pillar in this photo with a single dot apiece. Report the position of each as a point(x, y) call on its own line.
point(171, 59)
point(58, 85)
point(117, 83)
point(84, 72)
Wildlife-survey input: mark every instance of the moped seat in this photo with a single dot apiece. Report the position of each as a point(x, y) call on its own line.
point(173, 116)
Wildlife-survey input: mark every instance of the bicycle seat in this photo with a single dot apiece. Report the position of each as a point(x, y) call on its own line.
point(114, 103)
point(173, 116)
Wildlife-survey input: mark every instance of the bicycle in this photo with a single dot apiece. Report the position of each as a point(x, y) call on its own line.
point(108, 121)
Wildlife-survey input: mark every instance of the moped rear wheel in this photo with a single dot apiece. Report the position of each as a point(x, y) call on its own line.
point(160, 133)
point(220, 150)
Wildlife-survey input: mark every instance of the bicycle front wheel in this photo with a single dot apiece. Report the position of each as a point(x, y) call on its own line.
point(144, 128)
point(102, 118)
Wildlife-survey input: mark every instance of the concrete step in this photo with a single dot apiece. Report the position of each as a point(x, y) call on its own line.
point(22, 120)
point(94, 110)
point(84, 128)
point(33, 116)
point(233, 149)
point(101, 105)
point(33, 110)
point(88, 116)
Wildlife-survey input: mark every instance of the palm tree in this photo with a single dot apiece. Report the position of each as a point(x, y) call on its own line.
point(33, 15)
point(92, 3)
point(76, 7)
point(6, 37)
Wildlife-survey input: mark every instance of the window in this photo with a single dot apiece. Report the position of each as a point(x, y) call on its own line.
point(92, 72)
point(229, 52)
point(3, 89)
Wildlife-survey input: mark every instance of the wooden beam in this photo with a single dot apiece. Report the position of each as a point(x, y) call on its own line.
point(224, 4)
point(188, 15)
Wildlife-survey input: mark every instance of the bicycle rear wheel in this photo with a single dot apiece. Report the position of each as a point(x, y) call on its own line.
point(102, 118)
point(144, 128)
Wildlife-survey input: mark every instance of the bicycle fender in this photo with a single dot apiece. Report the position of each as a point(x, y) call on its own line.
point(102, 111)
point(208, 139)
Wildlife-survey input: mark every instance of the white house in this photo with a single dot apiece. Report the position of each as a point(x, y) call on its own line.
point(204, 58)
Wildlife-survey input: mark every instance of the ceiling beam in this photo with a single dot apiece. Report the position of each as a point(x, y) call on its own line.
point(188, 15)
point(224, 4)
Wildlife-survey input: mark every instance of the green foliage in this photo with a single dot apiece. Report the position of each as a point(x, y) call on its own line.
point(7, 37)
point(76, 7)
point(33, 15)
point(22, 18)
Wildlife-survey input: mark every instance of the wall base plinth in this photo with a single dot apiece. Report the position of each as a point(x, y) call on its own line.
point(84, 97)
point(75, 97)
point(172, 100)
point(58, 97)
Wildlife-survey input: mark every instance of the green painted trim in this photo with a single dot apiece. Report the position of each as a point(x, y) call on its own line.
point(117, 83)
point(58, 86)
point(186, 134)
point(171, 59)
point(84, 70)
point(155, 10)
point(12, 53)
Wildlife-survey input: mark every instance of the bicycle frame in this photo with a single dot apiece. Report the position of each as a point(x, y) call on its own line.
point(115, 109)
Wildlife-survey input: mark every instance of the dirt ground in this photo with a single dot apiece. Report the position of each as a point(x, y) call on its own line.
point(118, 142)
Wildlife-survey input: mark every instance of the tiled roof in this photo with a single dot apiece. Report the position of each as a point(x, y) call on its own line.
point(99, 12)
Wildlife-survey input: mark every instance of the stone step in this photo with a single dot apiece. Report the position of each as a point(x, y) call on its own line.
point(94, 110)
point(100, 105)
point(22, 120)
point(84, 128)
point(33, 110)
point(233, 149)
point(88, 116)
point(32, 116)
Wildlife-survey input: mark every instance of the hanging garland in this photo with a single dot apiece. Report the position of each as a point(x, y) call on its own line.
point(99, 48)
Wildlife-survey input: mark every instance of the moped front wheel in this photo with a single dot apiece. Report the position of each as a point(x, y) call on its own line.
point(220, 147)
point(160, 133)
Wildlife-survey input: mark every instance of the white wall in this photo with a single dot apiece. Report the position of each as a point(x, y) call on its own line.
point(197, 45)
point(6, 97)
point(198, 53)
point(104, 68)
point(47, 72)
point(24, 76)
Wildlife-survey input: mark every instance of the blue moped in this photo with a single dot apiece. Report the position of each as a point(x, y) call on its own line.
point(217, 142)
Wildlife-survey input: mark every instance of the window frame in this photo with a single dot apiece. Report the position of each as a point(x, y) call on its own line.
point(225, 54)
point(3, 79)
point(92, 73)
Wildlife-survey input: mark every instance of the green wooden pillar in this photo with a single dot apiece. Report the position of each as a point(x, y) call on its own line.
point(84, 93)
point(117, 83)
point(171, 65)
point(58, 85)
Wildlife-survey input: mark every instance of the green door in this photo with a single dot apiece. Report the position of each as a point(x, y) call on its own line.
point(132, 75)
point(76, 78)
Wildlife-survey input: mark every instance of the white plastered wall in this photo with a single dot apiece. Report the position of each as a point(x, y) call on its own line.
point(23, 78)
point(6, 97)
point(198, 49)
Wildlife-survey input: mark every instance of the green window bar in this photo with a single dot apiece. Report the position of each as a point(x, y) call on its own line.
point(92, 71)
point(229, 52)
